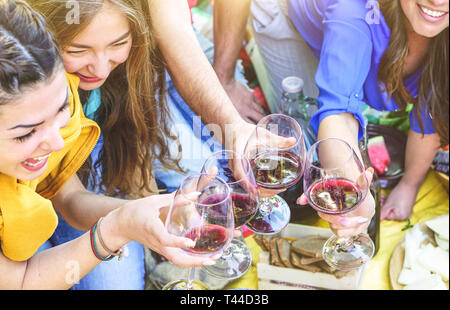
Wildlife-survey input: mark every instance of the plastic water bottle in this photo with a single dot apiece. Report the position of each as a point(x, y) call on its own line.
point(300, 107)
point(295, 104)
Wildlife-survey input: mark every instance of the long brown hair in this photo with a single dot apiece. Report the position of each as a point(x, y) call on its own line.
point(133, 110)
point(433, 86)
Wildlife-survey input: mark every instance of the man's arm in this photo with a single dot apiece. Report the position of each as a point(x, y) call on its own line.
point(230, 20)
point(191, 72)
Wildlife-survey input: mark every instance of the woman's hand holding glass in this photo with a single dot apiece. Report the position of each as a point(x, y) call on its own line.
point(141, 220)
point(235, 170)
point(336, 184)
point(201, 211)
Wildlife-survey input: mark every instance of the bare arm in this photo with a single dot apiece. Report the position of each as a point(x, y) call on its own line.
point(345, 127)
point(189, 68)
point(56, 268)
point(420, 152)
point(62, 266)
point(80, 207)
point(230, 19)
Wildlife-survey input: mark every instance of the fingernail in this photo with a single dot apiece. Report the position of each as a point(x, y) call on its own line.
point(190, 244)
point(362, 220)
point(344, 222)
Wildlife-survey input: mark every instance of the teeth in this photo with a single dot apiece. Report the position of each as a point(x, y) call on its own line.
point(432, 13)
point(39, 161)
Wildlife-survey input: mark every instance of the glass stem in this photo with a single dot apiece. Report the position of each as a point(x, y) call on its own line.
point(227, 252)
point(345, 243)
point(190, 282)
point(265, 206)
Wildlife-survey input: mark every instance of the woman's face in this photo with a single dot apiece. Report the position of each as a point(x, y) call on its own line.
point(426, 17)
point(103, 45)
point(30, 128)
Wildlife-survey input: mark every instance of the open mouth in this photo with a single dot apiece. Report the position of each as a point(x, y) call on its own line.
point(432, 13)
point(35, 163)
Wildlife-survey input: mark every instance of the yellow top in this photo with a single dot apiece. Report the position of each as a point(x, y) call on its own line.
point(27, 217)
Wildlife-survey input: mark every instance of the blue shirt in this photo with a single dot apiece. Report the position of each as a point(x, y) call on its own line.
point(349, 40)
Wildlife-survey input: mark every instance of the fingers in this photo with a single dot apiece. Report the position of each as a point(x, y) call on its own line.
point(385, 213)
point(237, 233)
point(266, 193)
point(346, 226)
point(302, 200)
point(183, 259)
point(369, 175)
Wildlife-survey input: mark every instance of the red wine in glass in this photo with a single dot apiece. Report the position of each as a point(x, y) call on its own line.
point(209, 238)
point(334, 196)
point(276, 170)
point(244, 207)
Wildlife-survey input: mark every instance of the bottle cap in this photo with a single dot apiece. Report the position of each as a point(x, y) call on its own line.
point(292, 84)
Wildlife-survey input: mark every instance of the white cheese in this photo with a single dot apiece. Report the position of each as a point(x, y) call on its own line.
point(435, 260)
point(410, 276)
point(433, 282)
point(439, 225)
point(442, 243)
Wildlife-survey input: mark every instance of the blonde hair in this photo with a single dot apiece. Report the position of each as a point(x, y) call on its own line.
point(133, 112)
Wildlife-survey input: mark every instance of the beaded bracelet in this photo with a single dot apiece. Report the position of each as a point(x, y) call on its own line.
point(94, 246)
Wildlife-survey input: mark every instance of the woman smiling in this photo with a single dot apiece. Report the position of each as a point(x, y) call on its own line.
point(44, 139)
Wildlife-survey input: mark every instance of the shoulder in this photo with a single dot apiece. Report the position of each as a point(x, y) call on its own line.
point(348, 10)
point(359, 17)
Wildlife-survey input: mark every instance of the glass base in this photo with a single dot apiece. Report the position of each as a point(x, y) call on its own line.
point(181, 285)
point(234, 262)
point(272, 220)
point(348, 254)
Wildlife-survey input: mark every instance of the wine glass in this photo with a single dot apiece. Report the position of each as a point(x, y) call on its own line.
point(202, 211)
point(336, 183)
point(276, 151)
point(235, 170)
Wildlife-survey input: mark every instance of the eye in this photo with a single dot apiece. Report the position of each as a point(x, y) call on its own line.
point(75, 52)
point(121, 43)
point(25, 137)
point(64, 107)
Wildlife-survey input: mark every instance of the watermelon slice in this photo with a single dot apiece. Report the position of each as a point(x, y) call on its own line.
point(378, 154)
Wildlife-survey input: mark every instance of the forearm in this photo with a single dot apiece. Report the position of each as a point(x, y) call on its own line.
point(189, 68)
point(419, 154)
point(82, 208)
point(62, 266)
point(230, 19)
point(343, 126)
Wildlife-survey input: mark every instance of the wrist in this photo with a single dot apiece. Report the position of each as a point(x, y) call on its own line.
point(112, 232)
point(225, 75)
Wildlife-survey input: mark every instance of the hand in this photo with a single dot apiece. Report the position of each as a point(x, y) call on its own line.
point(245, 101)
point(243, 139)
point(140, 220)
point(351, 223)
point(400, 202)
